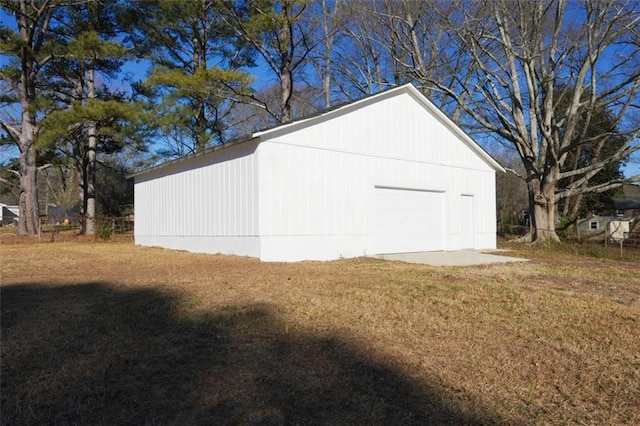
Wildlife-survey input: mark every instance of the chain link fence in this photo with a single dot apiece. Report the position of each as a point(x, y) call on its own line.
point(632, 240)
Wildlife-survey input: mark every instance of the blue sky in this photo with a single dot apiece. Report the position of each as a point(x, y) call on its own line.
point(632, 168)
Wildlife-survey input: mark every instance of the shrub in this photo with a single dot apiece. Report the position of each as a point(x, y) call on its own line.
point(104, 230)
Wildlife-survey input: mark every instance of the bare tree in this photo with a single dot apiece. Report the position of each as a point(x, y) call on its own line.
point(283, 34)
point(62, 184)
point(245, 118)
point(421, 47)
point(526, 60)
point(332, 18)
point(362, 64)
point(393, 42)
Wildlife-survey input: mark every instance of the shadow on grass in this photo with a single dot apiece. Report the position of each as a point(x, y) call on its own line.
point(98, 354)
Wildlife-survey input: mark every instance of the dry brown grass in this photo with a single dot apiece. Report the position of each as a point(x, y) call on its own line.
point(111, 333)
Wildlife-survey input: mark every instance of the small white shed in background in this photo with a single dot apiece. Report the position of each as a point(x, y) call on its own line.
point(389, 173)
point(619, 229)
point(604, 228)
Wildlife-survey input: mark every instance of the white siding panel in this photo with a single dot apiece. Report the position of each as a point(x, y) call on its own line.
point(209, 198)
point(397, 128)
point(295, 248)
point(468, 218)
point(309, 192)
point(315, 197)
point(243, 246)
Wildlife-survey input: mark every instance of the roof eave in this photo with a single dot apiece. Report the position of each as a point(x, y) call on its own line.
point(195, 155)
point(437, 112)
point(296, 124)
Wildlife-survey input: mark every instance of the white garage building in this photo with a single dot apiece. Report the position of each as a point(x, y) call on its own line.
point(386, 174)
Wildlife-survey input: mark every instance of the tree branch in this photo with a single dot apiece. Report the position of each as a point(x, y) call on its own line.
point(596, 189)
point(8, 182)
point(12, 131)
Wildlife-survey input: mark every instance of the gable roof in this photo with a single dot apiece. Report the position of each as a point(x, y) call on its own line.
point(627, 204)
point(324, 115)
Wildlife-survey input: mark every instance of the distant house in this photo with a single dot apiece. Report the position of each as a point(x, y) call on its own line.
point(9, 215)
point(628, 206)
point(601, 228)
point(627, 203)
point(389, 173)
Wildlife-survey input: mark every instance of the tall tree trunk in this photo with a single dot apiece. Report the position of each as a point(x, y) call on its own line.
point(326, 78)
point(90, 223)
point(90, 199)
point(326, 81)
point(28, 215)
point(286, 89)
point(542, 210)
point(28, 220)
point(287, 48)
point(575, 208)
point(328, 33)
point(200, 136)
point(81, 167)
point(200, 62)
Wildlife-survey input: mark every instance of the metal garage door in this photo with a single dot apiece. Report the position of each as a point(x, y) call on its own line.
point(407, 220)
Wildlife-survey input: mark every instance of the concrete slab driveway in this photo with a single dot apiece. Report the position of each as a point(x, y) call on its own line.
point(451, 258)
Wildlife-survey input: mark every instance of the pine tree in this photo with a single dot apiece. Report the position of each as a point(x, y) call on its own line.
point(30, 50)
point(196, 61)
point(90, 118)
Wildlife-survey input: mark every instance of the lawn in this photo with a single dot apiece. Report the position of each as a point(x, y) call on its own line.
point(110, 333)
